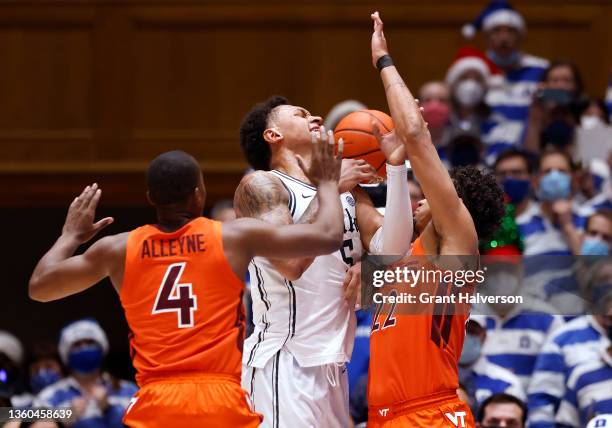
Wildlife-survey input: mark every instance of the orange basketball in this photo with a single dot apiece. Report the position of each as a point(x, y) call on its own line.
point(359, 141)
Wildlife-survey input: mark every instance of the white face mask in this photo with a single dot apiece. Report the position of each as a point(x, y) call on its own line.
point(469, 92)
point(590, 122)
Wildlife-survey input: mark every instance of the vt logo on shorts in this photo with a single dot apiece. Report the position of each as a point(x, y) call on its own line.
point(456, 417)
point(383, 412)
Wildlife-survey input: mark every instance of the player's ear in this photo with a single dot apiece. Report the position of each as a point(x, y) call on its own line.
point(149, 200)
point(273, 135)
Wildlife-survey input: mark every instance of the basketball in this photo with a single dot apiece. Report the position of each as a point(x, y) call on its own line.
point(357, 131)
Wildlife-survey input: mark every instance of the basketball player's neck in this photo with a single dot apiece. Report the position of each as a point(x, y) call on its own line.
point(285, 160)
point(171, 219)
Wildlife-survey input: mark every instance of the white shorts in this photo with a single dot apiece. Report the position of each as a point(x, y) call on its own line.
point(298, 397)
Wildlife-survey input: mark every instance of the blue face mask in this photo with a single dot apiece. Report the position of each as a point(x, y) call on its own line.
point(516, 189)
point(471, 350)
point(42, 379)
point(594, 247)
point(86, 359)
point(504, 61)
point(555, 185)
point(559, 133)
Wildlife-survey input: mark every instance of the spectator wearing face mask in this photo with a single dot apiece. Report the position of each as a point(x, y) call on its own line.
point(588, 390)
point(544, 223)
point(575, 343)
point(434, 98)
point(594, 135)
point(96, 400)
point(479, 377)
point(502, 410)
point(553, 112)
point(597, 237)
point(510, 92)
point(514, 169)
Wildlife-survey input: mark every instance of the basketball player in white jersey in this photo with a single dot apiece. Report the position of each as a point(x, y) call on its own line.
point(304, 329)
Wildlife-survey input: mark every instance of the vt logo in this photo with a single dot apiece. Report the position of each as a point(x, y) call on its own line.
point(456, 417)
point(383, 412)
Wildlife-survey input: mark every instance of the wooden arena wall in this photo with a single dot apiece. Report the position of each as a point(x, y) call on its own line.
point(92, 90)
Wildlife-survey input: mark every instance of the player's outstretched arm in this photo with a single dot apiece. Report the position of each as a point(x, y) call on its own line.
point(59, 273)
point(448, 212)
point(248, 237)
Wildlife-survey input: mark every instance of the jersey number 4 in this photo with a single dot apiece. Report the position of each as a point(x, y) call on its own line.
point(175, 297)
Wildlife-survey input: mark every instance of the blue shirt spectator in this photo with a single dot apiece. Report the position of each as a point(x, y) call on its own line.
point(104, 408)
point(575, 343)
point(588, 392)
point(514, 341)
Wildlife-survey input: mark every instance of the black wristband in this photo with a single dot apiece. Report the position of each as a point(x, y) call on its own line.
point(384, 61)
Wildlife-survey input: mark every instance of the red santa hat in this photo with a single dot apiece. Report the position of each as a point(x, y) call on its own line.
point(470, 58)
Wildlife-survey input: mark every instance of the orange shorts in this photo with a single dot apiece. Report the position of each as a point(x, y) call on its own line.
point(437, 413)
point(191, 401)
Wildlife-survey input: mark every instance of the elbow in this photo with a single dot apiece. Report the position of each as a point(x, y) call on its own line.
point(334, 240)
point(36, 292)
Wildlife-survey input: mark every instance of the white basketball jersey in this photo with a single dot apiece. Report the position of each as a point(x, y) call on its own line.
point(308, 316)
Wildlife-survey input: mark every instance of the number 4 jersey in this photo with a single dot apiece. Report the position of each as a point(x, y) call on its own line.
point(182, 302)
point(308, 316)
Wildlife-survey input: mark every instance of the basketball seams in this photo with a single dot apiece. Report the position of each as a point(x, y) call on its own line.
point(377, 118)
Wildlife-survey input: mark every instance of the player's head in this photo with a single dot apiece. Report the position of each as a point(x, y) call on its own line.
point(174, 181)
point(480, 194)
point(275, 125)
point(502, 410)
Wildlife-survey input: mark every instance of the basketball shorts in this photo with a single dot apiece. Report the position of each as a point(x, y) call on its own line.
point(298, 397)
point(214, 401)
point(445, 413)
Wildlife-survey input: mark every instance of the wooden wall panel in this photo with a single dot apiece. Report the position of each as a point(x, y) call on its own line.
point(100, 87)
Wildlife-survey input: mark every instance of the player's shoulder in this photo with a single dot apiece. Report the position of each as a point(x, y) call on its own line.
point(261, 181)
point(112, 243)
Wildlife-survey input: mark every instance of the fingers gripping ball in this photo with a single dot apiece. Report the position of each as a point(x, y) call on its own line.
point(357, 131)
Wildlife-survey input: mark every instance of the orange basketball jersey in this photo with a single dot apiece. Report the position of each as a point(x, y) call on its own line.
point(182, 302)
point(414, 357)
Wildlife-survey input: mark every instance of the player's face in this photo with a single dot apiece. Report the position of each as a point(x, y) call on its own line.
point(295, 124)
point(503, 415)
point(422, 216)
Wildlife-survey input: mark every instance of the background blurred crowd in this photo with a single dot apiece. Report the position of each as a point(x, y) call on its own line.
point(527, 120)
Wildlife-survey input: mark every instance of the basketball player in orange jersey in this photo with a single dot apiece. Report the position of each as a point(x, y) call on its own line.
point(180, 285)
point(413, 358)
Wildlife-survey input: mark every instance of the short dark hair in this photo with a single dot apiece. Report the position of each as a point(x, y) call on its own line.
point(529, 158)
point(602, 212)
point(501, 398)
point(575, 72)
point(254, 146)
point(172, 177)
point(551, 150)
point(482, 196)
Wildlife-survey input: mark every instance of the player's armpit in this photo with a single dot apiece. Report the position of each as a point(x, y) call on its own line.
point(261, 195)
point(54, 279)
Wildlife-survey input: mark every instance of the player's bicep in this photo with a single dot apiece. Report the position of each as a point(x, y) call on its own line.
point(262, 196)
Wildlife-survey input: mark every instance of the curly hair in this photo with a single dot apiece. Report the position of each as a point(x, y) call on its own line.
point(482, 196)
point(255, 148)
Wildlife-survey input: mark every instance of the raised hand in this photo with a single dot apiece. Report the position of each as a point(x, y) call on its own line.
point(353, 172)
point(325, 165)
point(391, 146)
point(379, 43)
point(79, 222)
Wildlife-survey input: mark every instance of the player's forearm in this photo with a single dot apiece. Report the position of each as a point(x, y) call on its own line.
point(397, 224)
point(46, 283)
point(402, 105)
point(311, 212)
